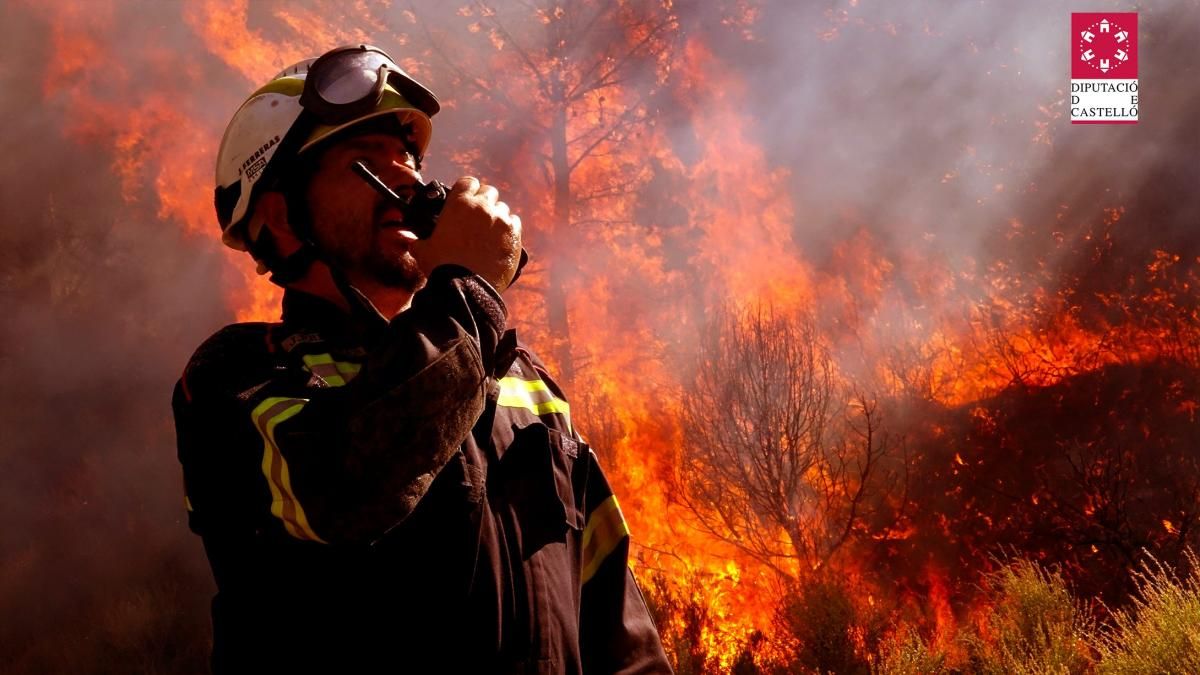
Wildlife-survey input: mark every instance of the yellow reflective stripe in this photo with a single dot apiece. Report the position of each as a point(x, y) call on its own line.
point(268, 415)
point(335, 373)
point(323, 367)
point(527, 385)
point(518, 393)
point(606, 527)
point(288, 86)
point(187, 504)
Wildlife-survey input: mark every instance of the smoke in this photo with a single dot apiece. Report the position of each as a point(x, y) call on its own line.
point(933, 123)
point(933, 140)
point(949, 119)
point(100, 300)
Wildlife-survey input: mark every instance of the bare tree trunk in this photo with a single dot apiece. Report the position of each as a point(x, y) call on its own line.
point(559, 264)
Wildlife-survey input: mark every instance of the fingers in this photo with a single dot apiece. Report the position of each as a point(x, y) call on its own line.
point(476, 190)
point(489, 193)
point(467, 185)
point(473, 187)
point(476, 231)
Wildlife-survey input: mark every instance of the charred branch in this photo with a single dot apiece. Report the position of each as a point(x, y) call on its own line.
point(781, 460)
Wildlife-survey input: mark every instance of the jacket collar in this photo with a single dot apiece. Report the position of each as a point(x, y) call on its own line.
point(305, 310)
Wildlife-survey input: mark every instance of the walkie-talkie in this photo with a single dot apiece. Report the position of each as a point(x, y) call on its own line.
point(421, 210)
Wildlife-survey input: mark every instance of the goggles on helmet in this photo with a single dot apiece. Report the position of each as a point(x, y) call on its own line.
point(308, 102)
point(349, 82)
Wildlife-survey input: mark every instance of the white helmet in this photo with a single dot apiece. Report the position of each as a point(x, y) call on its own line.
point(299, 107)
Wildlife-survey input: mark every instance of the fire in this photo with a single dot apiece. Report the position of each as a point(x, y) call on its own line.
point(748, 259)
point(945, 624)
point(659, 240)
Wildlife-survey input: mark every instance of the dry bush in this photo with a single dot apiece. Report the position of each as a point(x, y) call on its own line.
point(907, 653)
point(1033, 626)
point(782, 458)
point(1160, 632)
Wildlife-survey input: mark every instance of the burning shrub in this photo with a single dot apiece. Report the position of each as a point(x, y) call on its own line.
point(684, 620)
point(1083, 474)
point(1032, 626)
point(828, 630)
point(745, 663)
point(1160, 632)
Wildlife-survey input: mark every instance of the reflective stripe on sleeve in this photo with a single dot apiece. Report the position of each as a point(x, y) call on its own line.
point(335, 373)
point(532, 395)
point(606, 527)
point(269, 414)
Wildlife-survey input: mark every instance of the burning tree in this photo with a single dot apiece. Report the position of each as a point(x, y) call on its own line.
point(571, 84)
point(781, 458)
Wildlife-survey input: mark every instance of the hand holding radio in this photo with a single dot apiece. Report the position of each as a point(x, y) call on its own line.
point(467, 225)
point(475, 230)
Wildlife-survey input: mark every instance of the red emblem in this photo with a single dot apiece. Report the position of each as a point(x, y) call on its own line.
point(1104, 45)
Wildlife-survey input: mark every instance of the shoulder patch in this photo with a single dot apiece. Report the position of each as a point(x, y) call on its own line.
point(295, 339)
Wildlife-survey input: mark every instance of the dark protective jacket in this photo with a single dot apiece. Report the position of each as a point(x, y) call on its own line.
point(402, 497)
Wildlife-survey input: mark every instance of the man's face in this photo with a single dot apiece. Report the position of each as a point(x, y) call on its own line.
point(354, 225)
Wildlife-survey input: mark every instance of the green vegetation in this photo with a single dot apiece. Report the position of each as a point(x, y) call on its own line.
point(1032, 625)
point(1025, 620)
point(905, 653)
point(1160, 631)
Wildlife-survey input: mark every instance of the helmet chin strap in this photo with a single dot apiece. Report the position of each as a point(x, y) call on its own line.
point(289, 269)
point(286, 270)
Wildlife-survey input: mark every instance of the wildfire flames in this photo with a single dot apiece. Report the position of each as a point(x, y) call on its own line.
point(1020, 311)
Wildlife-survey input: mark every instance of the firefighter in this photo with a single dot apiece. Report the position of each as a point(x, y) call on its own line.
point(388, 480)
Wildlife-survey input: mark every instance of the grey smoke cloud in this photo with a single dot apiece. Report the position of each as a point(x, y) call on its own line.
point(915, 112)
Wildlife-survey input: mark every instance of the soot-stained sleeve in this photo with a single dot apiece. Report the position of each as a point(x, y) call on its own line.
point(344, 464)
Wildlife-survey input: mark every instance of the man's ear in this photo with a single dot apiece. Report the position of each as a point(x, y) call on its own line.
point(271, 213)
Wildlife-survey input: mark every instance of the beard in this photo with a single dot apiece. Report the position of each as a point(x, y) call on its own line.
point(360, 249)
point(392, 270)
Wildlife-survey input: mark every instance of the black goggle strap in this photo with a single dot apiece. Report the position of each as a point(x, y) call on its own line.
point(285, 270)
point(262, 247)
point(281, 174)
